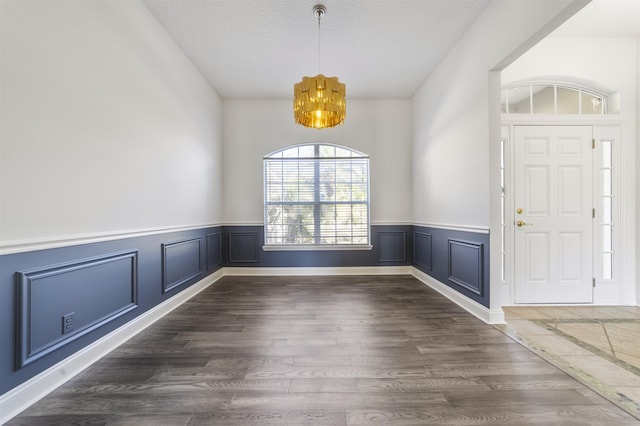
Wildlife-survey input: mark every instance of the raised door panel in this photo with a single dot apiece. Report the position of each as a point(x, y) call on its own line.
point(553, 221)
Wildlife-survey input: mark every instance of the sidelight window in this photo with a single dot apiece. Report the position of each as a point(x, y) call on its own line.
point(606, 196)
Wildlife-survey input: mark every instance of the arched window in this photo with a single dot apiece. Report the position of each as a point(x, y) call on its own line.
point(552, 98)
point(316, 195)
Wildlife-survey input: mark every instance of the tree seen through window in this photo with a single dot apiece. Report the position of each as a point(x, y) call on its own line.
point(316, 194)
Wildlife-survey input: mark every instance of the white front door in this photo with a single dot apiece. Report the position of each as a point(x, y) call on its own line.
point(553, 218)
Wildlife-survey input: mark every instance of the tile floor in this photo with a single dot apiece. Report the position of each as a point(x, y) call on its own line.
point(599, 346)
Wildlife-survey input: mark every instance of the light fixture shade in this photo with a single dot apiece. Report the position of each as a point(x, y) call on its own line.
point(319, 102)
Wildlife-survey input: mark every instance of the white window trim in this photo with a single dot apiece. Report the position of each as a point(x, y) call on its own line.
point(556, 84)
point(355, 154)
point(316, 247)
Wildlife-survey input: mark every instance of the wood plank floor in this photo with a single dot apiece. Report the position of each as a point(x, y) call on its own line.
point(322, 350)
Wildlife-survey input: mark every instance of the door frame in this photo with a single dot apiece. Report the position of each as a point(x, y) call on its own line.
point(606, 292)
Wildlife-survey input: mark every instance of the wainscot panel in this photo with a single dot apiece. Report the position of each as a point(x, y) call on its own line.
point(458, 259)
point(214, 250)
point(180, 263)
point(242, 246)
point(422, 254)
point(466, 266)
point(392, 246)
point(57, 301)
point(60, 303)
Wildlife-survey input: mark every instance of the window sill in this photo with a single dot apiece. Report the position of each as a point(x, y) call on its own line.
point(323, 247)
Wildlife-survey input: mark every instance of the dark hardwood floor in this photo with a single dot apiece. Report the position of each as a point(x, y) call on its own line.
point(351, 350)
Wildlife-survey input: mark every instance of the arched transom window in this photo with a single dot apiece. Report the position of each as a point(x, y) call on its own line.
point(552, 98)
point(316, 194)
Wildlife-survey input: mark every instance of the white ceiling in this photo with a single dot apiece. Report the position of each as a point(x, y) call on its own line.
point(260, 48)
point(603, 18)
point(378, 48)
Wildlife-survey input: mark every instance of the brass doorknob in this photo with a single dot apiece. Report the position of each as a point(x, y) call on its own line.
point(522, 223)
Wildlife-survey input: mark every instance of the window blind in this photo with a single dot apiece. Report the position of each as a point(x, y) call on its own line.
point(316, 195)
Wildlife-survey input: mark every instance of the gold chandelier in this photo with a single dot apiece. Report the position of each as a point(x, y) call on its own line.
point(319, 101)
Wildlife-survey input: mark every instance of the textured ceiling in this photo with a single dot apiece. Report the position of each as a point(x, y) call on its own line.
point(260, 48)
point(378, 48)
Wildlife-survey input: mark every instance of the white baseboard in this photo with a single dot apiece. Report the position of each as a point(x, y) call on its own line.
point(26, 394)
point(21, 397)
point(351, 270)
point(490, 316)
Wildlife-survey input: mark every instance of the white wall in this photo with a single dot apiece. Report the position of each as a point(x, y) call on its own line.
point(451, 114)
point(608, 63)
point(611, 64)
point(106, 126)
point(456, 121)
point(637, 143)
point(379, 128)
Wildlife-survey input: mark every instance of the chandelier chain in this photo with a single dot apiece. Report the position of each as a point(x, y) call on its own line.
point(319, 14)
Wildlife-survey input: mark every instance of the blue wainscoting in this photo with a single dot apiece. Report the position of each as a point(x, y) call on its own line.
point(422, 251)
point(57, 301)
point(459, 259)
point(106, 285)
point(181, 262)
point(242, 246)
point(392, 246)
point(214, 250)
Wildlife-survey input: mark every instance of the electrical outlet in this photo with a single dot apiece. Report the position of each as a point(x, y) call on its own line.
point(67, 322)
